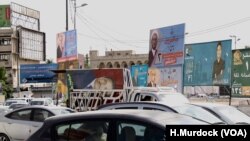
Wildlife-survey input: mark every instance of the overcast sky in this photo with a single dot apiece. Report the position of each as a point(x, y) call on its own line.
point(125, 24)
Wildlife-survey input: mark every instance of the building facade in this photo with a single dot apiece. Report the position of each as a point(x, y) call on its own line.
point(116, 59)
point(9, 55)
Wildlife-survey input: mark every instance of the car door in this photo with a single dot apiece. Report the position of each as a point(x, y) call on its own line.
point(18, 124)
point(37, 118)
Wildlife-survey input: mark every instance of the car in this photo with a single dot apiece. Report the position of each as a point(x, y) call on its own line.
point(143, 105)
point(166, 95)
point(226, 113)
point(42, 101)
point(21, 123)
point(115, 125)
point(10, 101)
point(185, 109)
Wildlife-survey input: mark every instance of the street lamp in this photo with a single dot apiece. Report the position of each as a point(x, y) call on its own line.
point(235, 40)
point(84, 4)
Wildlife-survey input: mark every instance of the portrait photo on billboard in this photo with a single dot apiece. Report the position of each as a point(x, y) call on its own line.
point(208, 63)
point(66, 46)
point(241, 72)
point(166, 46)
point(139, 74)
point(96, 79)
point(60, 45)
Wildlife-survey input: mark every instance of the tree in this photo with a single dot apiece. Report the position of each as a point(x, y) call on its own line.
point(49, 61)
point(6, 88)
point(86, 63)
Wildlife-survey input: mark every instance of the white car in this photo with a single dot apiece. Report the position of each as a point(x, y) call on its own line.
point(42, 101)
point(20, 124)
point(228, 114)
point(165, 95)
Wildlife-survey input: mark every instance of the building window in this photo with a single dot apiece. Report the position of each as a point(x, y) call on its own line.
point(5, 41)
point(4, 57)
point(118, 54)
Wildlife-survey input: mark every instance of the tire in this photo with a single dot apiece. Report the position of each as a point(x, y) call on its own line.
point(4, 137)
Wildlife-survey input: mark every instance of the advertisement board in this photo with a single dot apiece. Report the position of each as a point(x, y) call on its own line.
point(37, 73)
point(168, 76)
point(32, 44)
point(208, 64)
point(66, 46)
point(139, 74)
point(241, 73)
point(5, 16)
point(166, 46)
point(96, 78)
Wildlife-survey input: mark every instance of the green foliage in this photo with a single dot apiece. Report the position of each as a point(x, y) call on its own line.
point(6, 88)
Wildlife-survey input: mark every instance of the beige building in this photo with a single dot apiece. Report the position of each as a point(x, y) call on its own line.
point(9, 57)
point(116, 59)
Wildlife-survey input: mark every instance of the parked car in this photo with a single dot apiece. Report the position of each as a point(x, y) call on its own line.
point(21, 123)
point(226, 113)
point(42, 101)
point(115, 125)
point(166, 95)
point(185, 109)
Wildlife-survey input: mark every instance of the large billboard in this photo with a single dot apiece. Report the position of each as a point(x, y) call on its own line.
point(25, 17)
point(208, 64)
point(37, 73)
point(66, 46)
point(241, 73)
point(166, 46)
point(32, 44)
point(139, 74)
point(96, 79)
point(168, 76)
point(5, 16)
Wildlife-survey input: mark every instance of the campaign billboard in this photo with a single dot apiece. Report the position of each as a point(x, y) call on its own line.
point(167, 76)
point(208, 64)
point(241, 73)
point(95, 79)
point(37, 73)
point(139, 74)
point(5, 16)
point(66, 46)
point(166, 46)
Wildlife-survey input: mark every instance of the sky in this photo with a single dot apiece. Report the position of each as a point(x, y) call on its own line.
point(106, 25)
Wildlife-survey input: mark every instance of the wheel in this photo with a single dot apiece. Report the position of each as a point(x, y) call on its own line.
point(4, 137)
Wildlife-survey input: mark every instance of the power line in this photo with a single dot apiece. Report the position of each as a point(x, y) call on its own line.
point(121, 42)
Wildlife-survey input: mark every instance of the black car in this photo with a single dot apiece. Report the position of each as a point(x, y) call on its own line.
point(110, 125)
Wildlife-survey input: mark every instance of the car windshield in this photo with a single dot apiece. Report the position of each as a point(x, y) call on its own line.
point(59, 111)
point(37, 103)
point(197, 112)
point(233, 114)
point(173, 99)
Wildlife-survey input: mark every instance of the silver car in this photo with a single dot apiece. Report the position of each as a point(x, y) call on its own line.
point(20, 124)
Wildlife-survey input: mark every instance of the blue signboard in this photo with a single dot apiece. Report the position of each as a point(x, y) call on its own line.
point(166, 46)
point(208, 63)
point(139, 75)
point(37, 73)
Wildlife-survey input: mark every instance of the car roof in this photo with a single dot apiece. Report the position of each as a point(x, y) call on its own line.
point(138, 103)
point(210, 105)
point(160, 117)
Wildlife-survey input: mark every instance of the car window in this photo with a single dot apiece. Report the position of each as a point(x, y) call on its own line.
point(82, 131)
point(20, 115)
point(133, 131)
point(40, 115)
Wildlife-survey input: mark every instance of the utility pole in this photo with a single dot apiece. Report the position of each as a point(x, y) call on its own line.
point(67, 27)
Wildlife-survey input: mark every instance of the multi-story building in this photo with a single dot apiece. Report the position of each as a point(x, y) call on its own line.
point(116, 59)
point(9, 56)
